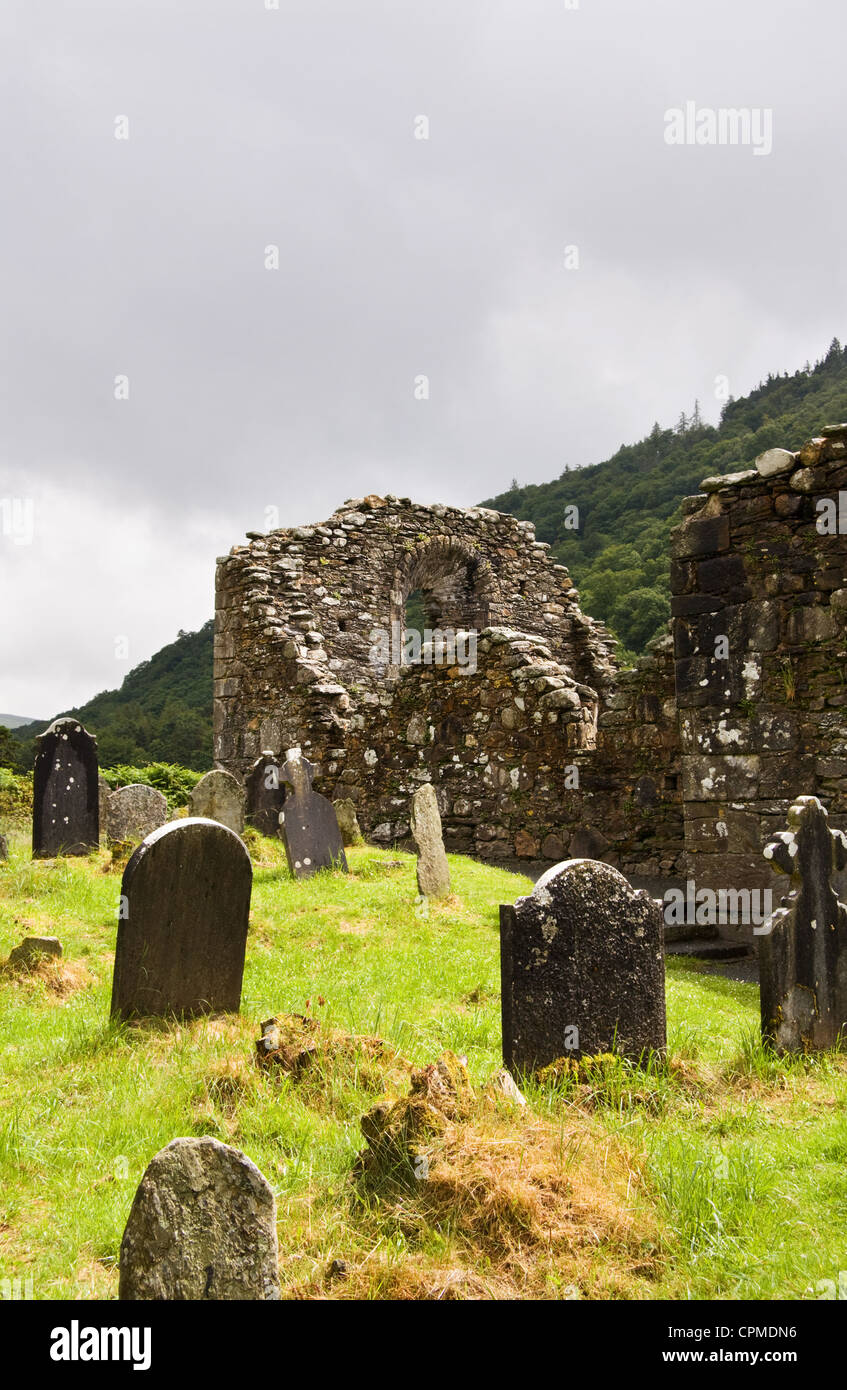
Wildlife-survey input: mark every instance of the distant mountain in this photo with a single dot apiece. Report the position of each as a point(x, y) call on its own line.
point(627, 506)
point(162, 712)
point(13, 721)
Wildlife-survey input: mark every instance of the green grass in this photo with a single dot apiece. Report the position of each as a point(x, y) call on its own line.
point(740, 1156)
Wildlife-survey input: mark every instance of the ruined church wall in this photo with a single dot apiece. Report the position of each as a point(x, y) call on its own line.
point(544, 751)
point(296, 611)
point(754, 576)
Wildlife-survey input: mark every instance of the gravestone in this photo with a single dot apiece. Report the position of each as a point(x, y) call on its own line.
point(433, 870)
point(803, 951)
point(582, 968)
point(220, 797)
point(348, 821)
point(202, 1226)
point(4, 848)
point(134, 812)
point(35, 948)
point(265, 794)
point(309, 827)
point(182, 931)
point(65, 793)
point(104, 792)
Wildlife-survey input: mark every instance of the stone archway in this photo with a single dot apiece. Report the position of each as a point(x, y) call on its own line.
point(456, 584)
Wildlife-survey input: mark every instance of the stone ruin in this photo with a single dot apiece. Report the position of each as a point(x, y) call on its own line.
point(544, 749)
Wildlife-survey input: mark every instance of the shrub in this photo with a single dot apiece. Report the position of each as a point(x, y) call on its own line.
point(175, 782)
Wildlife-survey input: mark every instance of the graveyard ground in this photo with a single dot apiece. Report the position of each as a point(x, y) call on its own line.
point(720, 1173)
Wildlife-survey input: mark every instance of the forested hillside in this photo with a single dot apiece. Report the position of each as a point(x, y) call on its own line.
point(162, 712)
point(618, 556)
point(627, 506)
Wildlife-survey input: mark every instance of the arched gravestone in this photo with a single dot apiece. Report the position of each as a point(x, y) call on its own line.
point(134, 812)
point(66, 793)
point(202, 1227)
point(220, 797)
point(309, 825)
point(182, 933)
point(265, 794)
point(803, 951)
point(582, 968)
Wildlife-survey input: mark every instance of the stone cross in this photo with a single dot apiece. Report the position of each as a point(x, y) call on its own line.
point(803, 955)
point(582, 968)
point(432, 868)
point(309, 825)
point(202, 1227)
point(65, 794)
point(219, 796)
point(265, 794)
point(182, 929)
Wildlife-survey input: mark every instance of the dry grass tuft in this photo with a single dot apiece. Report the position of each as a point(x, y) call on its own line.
point(227, 1082)
point(61, 977)
point(541, 1206)
point(320, 1057)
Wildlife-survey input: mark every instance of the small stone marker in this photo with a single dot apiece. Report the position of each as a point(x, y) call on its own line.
point(219, 796)
point(33, 948)
point(104, 792)
point(582, 968)
point(803, 955)
point(202, 1226)
point(433, 870)
point(182, 933)
point(134, 812)
point(65, 798)
point(265, 794)
point(309, 827)
point(348, 822)
point(4, 848)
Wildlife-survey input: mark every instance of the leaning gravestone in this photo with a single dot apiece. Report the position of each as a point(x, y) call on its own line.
point(202, 1226)
point(582, 968)
point(65, 797)
point(134, 812)
point(433, 870)
point(182, 932)
point(803, 951)
point(265, 794)
point(219, 796)
point(348, 821)
point(309, 826)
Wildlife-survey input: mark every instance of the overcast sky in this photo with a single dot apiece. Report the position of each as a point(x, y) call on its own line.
point(252, 388)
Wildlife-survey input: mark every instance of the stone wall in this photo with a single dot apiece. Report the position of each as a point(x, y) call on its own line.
point(759, 608)
point(683, 766)
point(296, 661)
point(296, 609)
